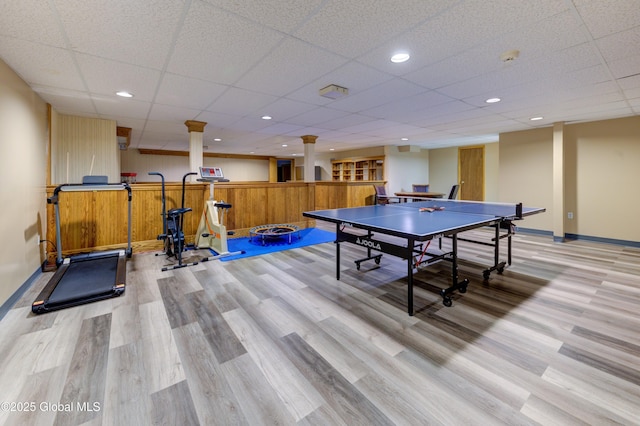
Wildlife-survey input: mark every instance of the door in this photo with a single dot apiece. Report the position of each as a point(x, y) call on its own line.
point(471, 167)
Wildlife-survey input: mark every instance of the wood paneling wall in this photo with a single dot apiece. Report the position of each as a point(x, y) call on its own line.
point(98, 220)
point(334, 195)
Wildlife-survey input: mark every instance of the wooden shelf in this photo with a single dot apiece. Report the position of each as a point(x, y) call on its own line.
point(358, 170)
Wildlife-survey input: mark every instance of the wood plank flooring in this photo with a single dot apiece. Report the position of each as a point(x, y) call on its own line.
point(277, 340)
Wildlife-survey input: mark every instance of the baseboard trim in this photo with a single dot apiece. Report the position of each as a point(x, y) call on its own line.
point(561, 239)
point(603, 240)
point(8, 304)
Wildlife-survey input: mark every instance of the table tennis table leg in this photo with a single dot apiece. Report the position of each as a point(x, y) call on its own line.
point(455, 284)
point(410, 281)
point(497, 265)
point(337, 252)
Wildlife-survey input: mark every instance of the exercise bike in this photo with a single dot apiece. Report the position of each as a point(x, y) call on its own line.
point(172, 227)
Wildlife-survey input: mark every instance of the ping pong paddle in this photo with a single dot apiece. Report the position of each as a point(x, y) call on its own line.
point(430, 209)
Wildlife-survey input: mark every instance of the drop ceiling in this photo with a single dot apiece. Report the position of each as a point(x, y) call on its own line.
point(229, 62)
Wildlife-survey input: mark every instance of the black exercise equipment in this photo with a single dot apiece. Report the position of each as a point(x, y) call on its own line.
point(172, 221)
point(90, 277)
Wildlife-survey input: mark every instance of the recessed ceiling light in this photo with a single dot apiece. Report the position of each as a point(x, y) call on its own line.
point(400, 57)
point(217, 140)
point(124, 94)
point(492, 100)
point(284, 145)
point(332, 149)
point(536, 118)
point(404, 139)
point(266, 117)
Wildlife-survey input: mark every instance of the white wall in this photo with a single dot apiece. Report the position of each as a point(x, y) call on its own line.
point(443, 169)
point(403, 169)
point(174, 167)
point(23, 165)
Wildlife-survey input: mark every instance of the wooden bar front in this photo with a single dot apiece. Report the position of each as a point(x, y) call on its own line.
point(97, 220)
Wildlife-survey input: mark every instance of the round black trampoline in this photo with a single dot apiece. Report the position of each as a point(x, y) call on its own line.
point(274, 232)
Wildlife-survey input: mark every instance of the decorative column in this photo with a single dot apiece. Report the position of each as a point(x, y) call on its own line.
point(196, 137)
point(309, 142)
point(558, 182)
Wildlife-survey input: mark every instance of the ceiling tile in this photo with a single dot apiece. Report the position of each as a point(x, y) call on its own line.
point(107, 77)
point(606, 17)
point(218, 46)
point(289, 67)
point(31, 20)
point(180, 91)
point(43, 66)
point(136, 32)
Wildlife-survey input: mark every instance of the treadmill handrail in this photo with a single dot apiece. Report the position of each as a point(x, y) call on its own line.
point(68, 187)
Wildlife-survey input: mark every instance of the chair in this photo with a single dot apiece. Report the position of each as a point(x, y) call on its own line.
point(382, 197)
point(454, 192)
point(419, 187)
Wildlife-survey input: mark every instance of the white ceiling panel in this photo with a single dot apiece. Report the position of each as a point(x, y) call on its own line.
point(289, 67)
point(281, 15)
point(241, 102)
point(218, 46)
point(317, 116)
point(138, 32)
point(186, 92)
point(112, 107)
point(606, 17)
point(44, 66)
point(227, 63)
point(355, 26)
point(31, 20)
point(106, 77)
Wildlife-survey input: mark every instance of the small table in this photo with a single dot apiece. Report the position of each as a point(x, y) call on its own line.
point(404, 196)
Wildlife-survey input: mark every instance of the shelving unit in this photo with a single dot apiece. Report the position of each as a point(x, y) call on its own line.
point(359, 169)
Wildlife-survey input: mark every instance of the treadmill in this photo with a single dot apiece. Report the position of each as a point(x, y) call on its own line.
point(89, 277)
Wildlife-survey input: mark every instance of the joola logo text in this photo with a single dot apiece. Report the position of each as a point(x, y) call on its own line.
point(368, 243)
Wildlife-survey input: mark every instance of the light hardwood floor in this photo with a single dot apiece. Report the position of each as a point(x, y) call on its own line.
point(276, 340)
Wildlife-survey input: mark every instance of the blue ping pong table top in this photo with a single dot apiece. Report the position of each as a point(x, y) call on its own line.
point(406, 219)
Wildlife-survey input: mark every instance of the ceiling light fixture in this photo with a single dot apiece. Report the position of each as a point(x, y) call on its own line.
point(404, 139)
point(492, 100)
point(536, 118)
point(217, 140)
point(284, 145)
point(124, 94)
point(400, 57)
point(333, 91)
point(266, 117)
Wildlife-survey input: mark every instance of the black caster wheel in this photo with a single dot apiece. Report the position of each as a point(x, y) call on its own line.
point(485, 276)
point(500, 270)
point(463, 289)
point(377, 260)
point(447, 302)
point(358, 266)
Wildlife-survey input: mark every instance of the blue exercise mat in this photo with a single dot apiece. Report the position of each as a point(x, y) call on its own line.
point(307, 237)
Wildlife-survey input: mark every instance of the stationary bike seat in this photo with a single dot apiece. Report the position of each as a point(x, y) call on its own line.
point(223, 205)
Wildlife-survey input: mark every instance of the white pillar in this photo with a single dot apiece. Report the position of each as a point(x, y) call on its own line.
point(196, 143)
point(558, 182)
point(309, 142)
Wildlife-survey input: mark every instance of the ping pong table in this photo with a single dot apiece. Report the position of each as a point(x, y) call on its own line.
point(416, 224)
